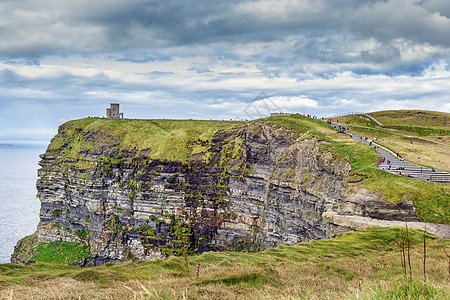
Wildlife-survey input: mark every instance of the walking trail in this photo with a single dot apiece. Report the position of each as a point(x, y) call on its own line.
point(394, 164)
point(399, 167)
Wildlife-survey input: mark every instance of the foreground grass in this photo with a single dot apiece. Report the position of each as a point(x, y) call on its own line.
point(357, 265)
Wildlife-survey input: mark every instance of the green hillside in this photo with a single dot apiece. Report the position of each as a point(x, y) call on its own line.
point(408, 119)
point(405, 120)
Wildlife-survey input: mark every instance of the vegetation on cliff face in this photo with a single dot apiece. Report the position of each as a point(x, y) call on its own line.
point(28, 250)
point(357, 265)
point(192, 140)
point(61, 252)
point(131, 154)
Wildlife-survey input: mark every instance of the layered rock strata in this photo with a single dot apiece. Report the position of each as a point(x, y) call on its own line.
point(256, 186)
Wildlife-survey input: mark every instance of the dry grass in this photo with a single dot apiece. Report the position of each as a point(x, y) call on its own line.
point(352, 267)
point(309, 279)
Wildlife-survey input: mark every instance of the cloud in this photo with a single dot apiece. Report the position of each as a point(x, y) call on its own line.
point(41, 27)
point(292, 103)
point(209, 59)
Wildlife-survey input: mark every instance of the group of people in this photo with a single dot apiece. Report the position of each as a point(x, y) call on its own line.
point(366, 138)
point(329, 121)
point(337, 121)
point(388, 162)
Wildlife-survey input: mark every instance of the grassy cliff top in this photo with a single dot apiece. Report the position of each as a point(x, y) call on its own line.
point(176, 140)
point(167, 139)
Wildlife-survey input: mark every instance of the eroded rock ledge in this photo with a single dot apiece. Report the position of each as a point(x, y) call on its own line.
point(256, 186)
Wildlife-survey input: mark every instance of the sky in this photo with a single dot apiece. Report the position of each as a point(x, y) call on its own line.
point(62, 60)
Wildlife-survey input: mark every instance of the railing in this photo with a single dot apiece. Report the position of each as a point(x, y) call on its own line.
point(346, 114)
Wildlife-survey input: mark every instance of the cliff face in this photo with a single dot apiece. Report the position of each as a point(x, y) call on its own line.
point(253, 186)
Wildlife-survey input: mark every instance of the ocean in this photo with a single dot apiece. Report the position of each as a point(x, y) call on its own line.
point(19, 207)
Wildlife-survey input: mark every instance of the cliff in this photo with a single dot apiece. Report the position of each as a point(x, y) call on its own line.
point(135, 189)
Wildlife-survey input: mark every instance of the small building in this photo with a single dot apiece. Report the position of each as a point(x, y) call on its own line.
point(113, 112)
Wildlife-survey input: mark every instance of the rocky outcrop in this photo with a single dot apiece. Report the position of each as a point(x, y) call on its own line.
point(253, 187)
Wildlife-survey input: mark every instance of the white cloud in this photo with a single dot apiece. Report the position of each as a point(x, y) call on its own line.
point(293, 103)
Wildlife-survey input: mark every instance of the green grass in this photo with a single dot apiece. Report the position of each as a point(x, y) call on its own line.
point(408, 122)
point(413, 118)
point(245, 278)
point(19, 274)
point(61, 252)
point(408, 289)
point(293, 123)
point(167, 139)
point(412, 121)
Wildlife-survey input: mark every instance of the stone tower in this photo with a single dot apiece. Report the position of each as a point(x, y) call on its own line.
point(113, 112)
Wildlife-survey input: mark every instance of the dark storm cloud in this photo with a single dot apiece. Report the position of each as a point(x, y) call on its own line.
point(40, 27)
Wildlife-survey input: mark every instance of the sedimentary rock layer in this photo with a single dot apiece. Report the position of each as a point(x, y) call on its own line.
point(251, 186)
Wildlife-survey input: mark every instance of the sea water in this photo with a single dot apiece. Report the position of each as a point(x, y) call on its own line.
point(19, 207)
